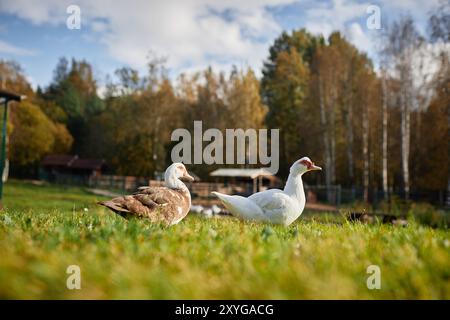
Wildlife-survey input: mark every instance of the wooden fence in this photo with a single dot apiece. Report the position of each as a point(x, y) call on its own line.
point(202, 189)
point(333, 195)
point(131, 183)
point(126, 183)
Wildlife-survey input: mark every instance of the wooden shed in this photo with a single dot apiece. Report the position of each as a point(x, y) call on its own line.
point(251, 180)
point(61, 166)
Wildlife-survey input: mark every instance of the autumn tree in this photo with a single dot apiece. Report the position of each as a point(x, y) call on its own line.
point(74, 89)
point(439, 34)
point(35, 135)
point(244, 105)
point(403, 43)
point(35, 128)
point(284, 88)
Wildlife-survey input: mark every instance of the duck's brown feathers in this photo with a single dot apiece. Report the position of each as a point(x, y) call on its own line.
point(159, 204)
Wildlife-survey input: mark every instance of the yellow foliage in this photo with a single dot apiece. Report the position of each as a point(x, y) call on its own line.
point(35, 135)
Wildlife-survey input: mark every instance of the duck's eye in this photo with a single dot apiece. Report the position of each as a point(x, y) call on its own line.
point(306, 163)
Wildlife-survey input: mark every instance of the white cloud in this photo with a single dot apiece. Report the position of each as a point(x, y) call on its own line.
point(327, 17)
point(425, 67)
point(14, 50)
point(46, 11)
point(195, 33)
point(357, 36)
point(350, 18)
point(341, 15)
point(189, 33)
point(32, 82)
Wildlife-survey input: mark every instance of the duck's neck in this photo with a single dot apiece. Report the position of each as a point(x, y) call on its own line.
point(294, 187)
point(173, 182)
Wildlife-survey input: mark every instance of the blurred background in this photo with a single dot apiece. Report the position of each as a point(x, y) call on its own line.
point(362, 89)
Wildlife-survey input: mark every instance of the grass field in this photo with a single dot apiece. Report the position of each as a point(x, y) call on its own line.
point(44, 229)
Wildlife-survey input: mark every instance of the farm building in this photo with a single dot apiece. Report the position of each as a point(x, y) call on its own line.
point(70, 168)
point(246, 180)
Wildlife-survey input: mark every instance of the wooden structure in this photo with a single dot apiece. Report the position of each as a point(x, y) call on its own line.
point(70, 167)
point(5, 98)
point(123, 183)
point(246, 180)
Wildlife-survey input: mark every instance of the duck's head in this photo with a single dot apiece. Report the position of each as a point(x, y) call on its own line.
point(177, 170)
point(303, 165)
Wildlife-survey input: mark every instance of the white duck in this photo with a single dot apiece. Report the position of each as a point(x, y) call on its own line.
point(273, 205)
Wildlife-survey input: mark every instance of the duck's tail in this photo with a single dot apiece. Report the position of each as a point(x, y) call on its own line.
point(239, 206)
point(110, 204)
point(221, 196)
point(228, 201)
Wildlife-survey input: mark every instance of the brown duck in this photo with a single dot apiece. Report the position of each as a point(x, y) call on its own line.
point(167, 205)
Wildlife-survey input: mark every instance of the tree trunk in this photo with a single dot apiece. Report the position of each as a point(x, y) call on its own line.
point(349, 124)
point(348, 118)
point(385, 138)
point(154, 132)
point(365, 132)
point(448, 181)
point(448, 193)
point(325, 135)
point(405, 132)
point(5, 173)
point(332, 137)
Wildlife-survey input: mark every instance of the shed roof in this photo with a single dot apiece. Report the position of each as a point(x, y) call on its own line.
point(238, 172)
point(10, 95)
point(72, 161)
point(93, 164)
point(58, 160)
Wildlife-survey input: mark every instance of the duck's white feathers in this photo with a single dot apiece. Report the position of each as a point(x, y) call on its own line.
point(274, 205)
point(241, 207)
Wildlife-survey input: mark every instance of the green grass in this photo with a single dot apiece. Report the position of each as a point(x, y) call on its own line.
point(44, 229)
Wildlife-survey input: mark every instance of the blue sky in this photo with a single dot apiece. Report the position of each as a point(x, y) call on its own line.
point(191, 34)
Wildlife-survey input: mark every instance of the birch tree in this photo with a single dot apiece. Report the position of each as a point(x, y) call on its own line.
point(403, 41)
point(326, 75)
point(439, 29)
